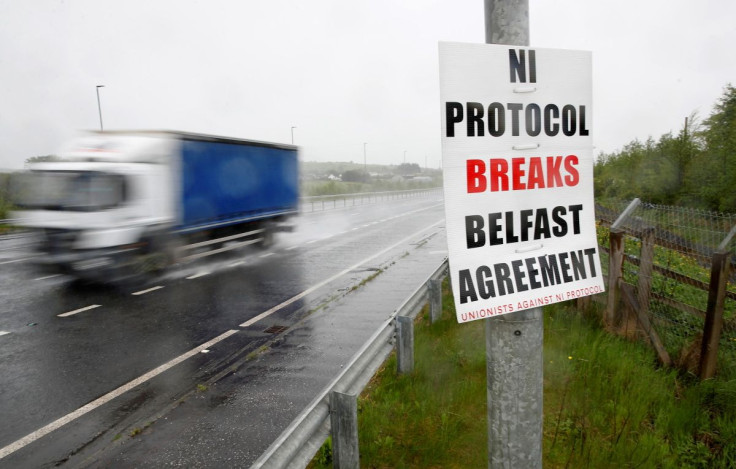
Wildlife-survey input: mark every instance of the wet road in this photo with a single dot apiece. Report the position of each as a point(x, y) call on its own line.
point(85, 367)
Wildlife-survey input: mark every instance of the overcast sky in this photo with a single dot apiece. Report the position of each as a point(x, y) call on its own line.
point(342, 72)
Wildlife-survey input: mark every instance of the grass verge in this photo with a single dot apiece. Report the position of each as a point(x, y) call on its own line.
point(606, 403)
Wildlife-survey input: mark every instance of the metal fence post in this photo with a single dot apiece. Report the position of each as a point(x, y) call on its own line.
point(344, 424)
point(435, 300)
point(405, 344)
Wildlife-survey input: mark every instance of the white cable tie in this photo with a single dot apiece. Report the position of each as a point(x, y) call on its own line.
point(528, 146)
point(533, 247)
point(525, 89)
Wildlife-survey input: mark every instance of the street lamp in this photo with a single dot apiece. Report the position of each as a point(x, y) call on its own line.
point(99, 108)
point(292, 134)
point(365, 166)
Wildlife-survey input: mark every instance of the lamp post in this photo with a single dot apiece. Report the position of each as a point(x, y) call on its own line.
point(292, 134)
point(99, 108)
point(365, 165)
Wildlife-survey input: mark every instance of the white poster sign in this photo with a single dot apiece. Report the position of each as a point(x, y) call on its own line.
point(517, 158)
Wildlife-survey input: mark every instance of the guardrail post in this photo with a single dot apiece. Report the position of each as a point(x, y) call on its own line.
point(405, 344)
point(344, 424)
point(435, 300)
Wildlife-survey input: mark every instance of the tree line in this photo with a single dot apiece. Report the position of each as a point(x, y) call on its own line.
point(695, 168)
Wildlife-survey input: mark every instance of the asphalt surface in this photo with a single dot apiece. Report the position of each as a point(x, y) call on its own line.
point(208, 369)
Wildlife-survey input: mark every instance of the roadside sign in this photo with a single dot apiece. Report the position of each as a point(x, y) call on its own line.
point(517, 157)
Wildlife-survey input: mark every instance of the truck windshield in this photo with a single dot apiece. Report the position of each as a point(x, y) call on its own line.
point(68, 190)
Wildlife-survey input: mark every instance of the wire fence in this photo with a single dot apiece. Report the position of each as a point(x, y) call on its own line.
point(666, 273)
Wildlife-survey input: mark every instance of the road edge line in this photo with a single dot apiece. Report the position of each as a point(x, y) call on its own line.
point(309, 290)
point(56, 424)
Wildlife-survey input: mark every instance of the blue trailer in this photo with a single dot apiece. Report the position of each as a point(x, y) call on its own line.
point(132, 202)
point(227, 181)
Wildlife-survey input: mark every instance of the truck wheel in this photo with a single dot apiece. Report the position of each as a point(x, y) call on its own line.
point(143, 266)
point(267, 237)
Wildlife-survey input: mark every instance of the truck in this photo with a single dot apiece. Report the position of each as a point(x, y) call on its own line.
point(125, 205)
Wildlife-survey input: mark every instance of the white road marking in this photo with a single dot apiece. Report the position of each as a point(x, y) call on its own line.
point(72, 313)
point(266, 255)
point(143, 292)
point(28, 439)
point(15, 260)
point(292, 247)
point(337, 275)
point(201, 274)
point(237, 263)
point(4, 332)
point(47, 277)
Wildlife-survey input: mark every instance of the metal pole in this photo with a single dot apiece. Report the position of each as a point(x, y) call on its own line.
point(365, 166)
point(513, 341)
point(99, 108)
point(292, 135)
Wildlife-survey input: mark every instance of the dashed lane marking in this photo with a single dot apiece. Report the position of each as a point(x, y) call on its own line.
point(47, 277)
point(15, 260)
point(201, 274)
point(143, 292)
point(72, 313)
point(4, 332)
